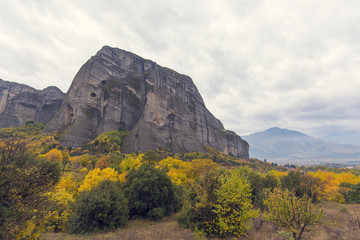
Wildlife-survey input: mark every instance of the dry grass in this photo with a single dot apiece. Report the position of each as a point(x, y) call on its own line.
point(139, 229)
point(342, 222)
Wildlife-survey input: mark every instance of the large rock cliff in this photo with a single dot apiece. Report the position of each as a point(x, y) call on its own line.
point(20, 103)
point(159, 107)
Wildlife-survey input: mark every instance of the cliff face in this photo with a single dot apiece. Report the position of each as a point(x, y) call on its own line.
point(159, 107)
point(20, 103)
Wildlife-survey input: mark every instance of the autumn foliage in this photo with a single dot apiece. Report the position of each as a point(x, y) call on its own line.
point(47, 187)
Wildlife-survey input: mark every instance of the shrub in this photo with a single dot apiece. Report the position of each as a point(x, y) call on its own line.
point(198, 211)
point(151, 193)
point(291, 213)
point(218, 203)
point(102, 208)
point(23, 182)
point(233, 209)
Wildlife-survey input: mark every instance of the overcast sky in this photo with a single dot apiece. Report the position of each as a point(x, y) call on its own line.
point(258, 64)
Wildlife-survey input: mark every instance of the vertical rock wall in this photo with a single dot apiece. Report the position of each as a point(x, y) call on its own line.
point(159, 107)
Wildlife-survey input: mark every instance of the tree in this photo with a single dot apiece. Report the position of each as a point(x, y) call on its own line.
point(198, 211)
point(54, 155)
point(107, 142)
point(23, 182)
point(351, 192)
point(102, 208)
point(292, 182)
point(291, 213)
point(94, 177)
point(233, 208)
point(312, 186)
point(256, 182)
point(150, 156)
point(150, 192)
point(103, 162)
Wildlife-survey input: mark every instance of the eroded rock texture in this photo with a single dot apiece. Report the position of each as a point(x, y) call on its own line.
point(20, 103)
point(159, 107)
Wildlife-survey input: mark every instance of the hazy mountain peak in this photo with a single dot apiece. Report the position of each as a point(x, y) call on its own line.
point(276, 131)
point(283, 145)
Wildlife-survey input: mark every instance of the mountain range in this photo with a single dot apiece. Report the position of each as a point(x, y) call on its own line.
point(116, 89)
point(287, 146)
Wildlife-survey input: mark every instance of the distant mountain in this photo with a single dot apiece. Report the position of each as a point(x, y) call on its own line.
point(283, 145)
point(345, 138)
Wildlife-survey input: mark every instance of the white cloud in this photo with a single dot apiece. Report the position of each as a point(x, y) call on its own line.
point(257, 64)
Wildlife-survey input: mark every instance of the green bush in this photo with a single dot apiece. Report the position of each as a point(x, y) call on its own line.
point(102, 208)
point(218, 204)
point(151, 193)
point(291, 182)
point(351, 192)
point(198, 211)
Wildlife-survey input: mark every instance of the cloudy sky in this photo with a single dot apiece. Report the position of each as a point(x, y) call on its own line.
point(257, 63)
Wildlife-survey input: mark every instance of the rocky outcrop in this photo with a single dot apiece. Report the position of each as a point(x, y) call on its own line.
point(20, 103)
point(159, 107)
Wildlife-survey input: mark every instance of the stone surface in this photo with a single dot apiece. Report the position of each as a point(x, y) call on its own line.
point(159, 107)
point(20, 103)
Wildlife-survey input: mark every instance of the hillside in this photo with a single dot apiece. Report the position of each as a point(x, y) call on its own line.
point(283, 145)
point(66, 192)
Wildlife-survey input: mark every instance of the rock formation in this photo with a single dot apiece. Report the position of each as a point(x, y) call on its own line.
point(158, 106)
point(20, 103)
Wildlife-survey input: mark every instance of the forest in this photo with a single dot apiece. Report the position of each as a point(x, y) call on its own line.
point(47, 188)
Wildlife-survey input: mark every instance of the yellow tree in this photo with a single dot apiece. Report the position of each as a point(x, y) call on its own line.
point(54, 155)
point(348, 177)
point(64, 193)
point(330, 183)
point(233, 208)
point(176, 169)
point(130, 162)
point(97, 175)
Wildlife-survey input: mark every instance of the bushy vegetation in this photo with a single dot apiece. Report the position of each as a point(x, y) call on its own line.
point(293, 214)
point(103, 207)
point(151, 193)
point(46, 187)
point(23, 181)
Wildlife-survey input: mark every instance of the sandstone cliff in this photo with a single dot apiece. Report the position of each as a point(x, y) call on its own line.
point(20, 103)
point(159, 107)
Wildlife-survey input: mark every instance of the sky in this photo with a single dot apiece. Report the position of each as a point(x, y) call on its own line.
point(257, 63)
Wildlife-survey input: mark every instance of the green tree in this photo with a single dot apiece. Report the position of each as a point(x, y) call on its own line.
point(198, 211)
point(150, 156)
point(104, 207)
point(292, 181)
point(151, 193)
point(351, 192)
point(234, 209)
point(311, 186)
point(294, 215)
point(23, 182)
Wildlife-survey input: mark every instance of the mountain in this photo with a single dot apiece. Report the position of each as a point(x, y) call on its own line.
point(158, 106)
point(20, 103)
point(345, 138)
point(283, 145)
